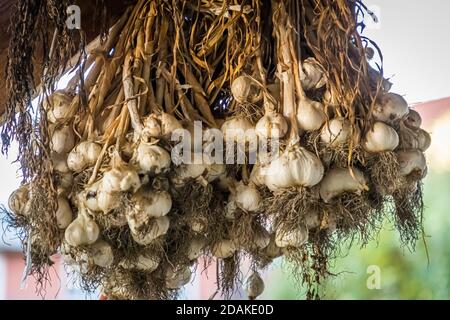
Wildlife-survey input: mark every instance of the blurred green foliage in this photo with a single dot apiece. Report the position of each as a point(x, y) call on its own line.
point(404, 274)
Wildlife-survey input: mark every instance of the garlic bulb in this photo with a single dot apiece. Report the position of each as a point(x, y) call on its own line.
point(261, 239)
point(153, 203)
point(18, 200)
point(59, 162)
point(336, 132)
point(272, 250)
point(329, 99)
point(101, 254)
point(390, 108)
point(107, 201)
point(310, 115)
point(238, 130)
point(413, 120)
point(58, 106)
point(313, 76)
point(62, 139)
point(254, 286)
point(177, 277)
point(381, 138)
point(287, 237)
point(83, 155)
point(186, 172)
point(243, 89)
point(145, 262)
point(247, 197)
point(153, 228)
point(295, 167)
point(411, 161)
point(419, 139)
point(195, 249)
point(162, 125)
point(64, 214)
point(89, 197)
point(223, 249)
point(83, 230)
point(257, 176)
point(424, 140)
point(338, 181)
point(121, 177)
point(271, 126)
point(152, 158)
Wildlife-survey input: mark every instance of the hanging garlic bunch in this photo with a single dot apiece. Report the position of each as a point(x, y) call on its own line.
point(339, 180)
point(160, 125)
point(151, 158)
point(245, 90)
point(152, 204)
point(82, 231)
point(120, 177)
point(177, 277)
point(223, 249)
point(144, 230)
point(381, 138)
point(313, 76)
point(254, 286)
point(286, 237)
point(336, 133)
point(83, 155)
point(101, 254)
point(58, 106)
point(145, 262)
point(62, 139)
point(19, 199)
point(390, 108)
point(412, 162)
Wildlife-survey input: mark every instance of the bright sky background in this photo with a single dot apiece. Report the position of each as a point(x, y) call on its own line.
point(414, 36)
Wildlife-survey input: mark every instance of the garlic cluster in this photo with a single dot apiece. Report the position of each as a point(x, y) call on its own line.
point(152, 204)
point(18, 201)
point(246, 197)
point(144, 262)
point(145, 229)
point(120, 177)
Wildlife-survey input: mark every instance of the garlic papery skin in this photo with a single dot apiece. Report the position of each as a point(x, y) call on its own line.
point(186, 172)
point(107, 201)
point(62, 139)
point(413, 120)
point(223, 249)
point(144, 262)
point(329, 99)
point(238, 130)
point(101, 254)
point(310, 115)
point(145, 231)
point(177, 277)
point(336, 133)
point(254, 286)
point(82, 231)
point(195, 248)
point(381, 138)
point(419, 139)
point(313, 76)
point(424, 140)
point(272, 250)
point(59, 162)
point(58, 106)
point(339, 180)
point(390, 108)
point(271, 126)
point(257, 176)
point(83, 155)
point(18, 200)
point(296, 167)
point(121, 177)
point(243, 90)
point(411, 161)
point(151, 158)
point(287, 237)
point(154, 204)
point(247, 197)
point(64, 215)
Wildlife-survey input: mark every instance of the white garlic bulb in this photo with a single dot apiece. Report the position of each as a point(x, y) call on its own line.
point(62, 139)
point(153, 203)
point(288, 237)
point(101, 254)
point(177, 277)
point(339, 180)
point(83, 230)
point(64, 215)
point(243, 89)
point(223, 249)
point(151, 158)
point(58, 106)
point(121, 177)
point(195, 249)
point(413, 120)
point(238, 130)
point(257, 176)
point(310, 115)
point(162, 125)
point(271, 126)
point(336, 132)
point(106, 201)
point(411, 161)
point(313, 76)
point(83, 155)
point(186, 172)
point(18, 200)
point(254, 286)
point(419, 139)
point(390, 108)
point(295, 167)
point(145, 262)
point(153, 229)
point(381, 138)
point(247, 197)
